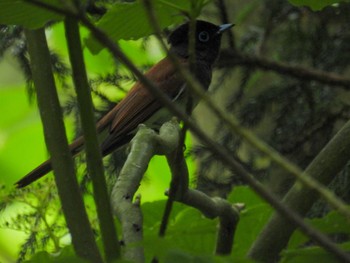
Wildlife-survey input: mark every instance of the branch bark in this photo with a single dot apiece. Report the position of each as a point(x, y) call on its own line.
point(143, 147)
point(211, 207)
point(93, 153)
point(231, 58)
point(57, 144)
point(275, 235)
point(222, 7)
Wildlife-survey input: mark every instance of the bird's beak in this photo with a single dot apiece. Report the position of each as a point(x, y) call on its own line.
point(224, 27)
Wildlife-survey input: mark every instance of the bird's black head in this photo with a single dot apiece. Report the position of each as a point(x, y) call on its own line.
point(208, 38)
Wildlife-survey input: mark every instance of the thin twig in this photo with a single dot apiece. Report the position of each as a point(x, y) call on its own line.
point(221, 5)
point(230, 58)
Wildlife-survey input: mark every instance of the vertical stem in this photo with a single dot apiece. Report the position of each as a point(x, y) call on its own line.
point(225, 20)
point(56, 141)
point(93, 153)
point(277, 232)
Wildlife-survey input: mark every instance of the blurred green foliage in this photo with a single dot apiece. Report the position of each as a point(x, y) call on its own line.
point(315, 4)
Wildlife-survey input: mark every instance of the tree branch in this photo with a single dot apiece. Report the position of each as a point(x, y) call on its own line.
point(63, 166)
point(144, 146)
point(221, 5)
point(210, 207)
point(276, 233)
point(93, 153)
point(230, 58)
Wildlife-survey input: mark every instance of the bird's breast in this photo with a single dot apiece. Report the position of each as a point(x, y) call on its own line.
point(164, 114)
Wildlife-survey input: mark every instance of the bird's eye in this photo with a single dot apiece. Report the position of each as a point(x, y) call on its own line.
point(203, 36)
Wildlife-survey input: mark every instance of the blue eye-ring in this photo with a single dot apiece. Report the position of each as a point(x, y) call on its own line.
point(203, 36)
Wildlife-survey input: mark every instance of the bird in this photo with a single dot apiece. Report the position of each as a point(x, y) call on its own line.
point(139, 105)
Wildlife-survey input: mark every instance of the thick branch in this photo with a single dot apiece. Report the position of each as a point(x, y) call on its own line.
point(93, 154)
point(230, 58)
point(210, 207)
point(57, 144)
point(144, 146)
point(324, 167)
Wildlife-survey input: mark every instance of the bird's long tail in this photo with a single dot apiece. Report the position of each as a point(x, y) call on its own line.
point(46, 167)
point(35, 174)
point(75, 148)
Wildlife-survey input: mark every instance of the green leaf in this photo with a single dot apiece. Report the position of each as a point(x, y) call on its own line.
point(252, 219)
point(66, 255)
point(245, 11)
point(186, 257)
point(315, 5)
point(233, 258)
point(181, 256)
point(153, 212)
point(191, 231)
point(19, 12)
point(311, 254)
point(244, 194)
point(129, 21)
point(332, 223)
point(188, 231)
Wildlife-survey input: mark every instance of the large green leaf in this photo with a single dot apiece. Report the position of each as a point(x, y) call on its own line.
point(19, 12)
point(130, 21)
point(311, 254)
point(66, 255)
point(252, 219)
point(315, 5)
point(332, 223)
point(181, 256)
point(188, 231)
